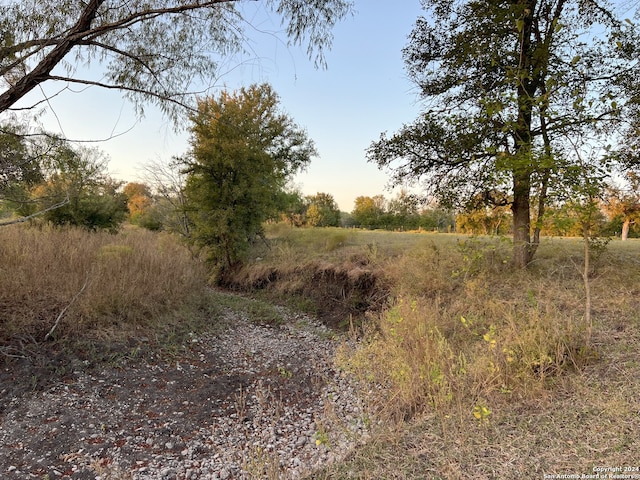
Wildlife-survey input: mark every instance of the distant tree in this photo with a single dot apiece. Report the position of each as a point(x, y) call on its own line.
point(347, 220)
point(368, 211)
point(484, 221)
point(139, 199)
point(323, 211)
point(437, 218)
point(624, 203)
point(293, 207)
point(403, 211)
point(244, 150)
point(168, 184)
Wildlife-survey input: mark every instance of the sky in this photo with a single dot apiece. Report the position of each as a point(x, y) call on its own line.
point(363, 92)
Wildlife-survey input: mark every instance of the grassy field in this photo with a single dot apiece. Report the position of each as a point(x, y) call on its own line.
point(476, 370)
point(471, 369)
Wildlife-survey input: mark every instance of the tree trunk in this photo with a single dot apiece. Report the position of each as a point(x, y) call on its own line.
point(526, 87)
point(521, 220)
point(625, 229)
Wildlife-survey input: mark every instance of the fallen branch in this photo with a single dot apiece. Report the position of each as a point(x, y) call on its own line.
point(57, 322)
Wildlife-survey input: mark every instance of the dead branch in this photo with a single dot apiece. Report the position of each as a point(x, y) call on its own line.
point(75, 297)
point(29, 217)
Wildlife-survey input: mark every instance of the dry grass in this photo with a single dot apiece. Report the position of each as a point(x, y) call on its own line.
point(108, 286)
point(479, 371)
point(473, 370)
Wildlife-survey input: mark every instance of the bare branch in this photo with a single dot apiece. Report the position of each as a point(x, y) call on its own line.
point(75, 297)
point(164, 97)
point(33, 215)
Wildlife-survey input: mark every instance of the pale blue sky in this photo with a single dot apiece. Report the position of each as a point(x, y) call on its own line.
point(363, 92)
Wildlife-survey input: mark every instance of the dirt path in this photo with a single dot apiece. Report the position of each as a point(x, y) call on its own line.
point(253, 402)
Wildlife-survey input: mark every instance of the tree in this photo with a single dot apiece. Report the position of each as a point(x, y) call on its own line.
point(243, 152)
point(368, 211)
point(80, 190)
point(434, 217)
point(625, 203)
point(323, 211)
point(484, 221)
point(293, 207)
point(403, 210)
point(138, 199)
point(152, 50)
point(505, 84)
point(168, 183)
point(19, 168)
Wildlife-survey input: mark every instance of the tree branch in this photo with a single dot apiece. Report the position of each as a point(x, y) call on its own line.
point(78, 34)
point(75, 297)
point(41, 72)
point(160, 96)
point(33, 215)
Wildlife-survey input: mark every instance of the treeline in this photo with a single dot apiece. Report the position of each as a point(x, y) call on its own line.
point(403, 212)
point(616, 214)
point(218, 195)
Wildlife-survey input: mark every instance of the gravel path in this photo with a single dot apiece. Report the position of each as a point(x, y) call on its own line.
point(254, 402)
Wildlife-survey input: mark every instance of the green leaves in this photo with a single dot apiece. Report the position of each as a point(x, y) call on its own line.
point(152, 50)
point(243, 151)
point(509, 89)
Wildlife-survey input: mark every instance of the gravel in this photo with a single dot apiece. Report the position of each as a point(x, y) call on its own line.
point(255, 402)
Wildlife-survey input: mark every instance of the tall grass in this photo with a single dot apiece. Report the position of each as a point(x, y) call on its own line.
point(102, 282)
point(499, 369)
point(466, 331)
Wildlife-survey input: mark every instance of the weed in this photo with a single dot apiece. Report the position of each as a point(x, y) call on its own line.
point(321, 436)
point(335, 241)
point(481, 413)
point(241, 405)
point(261, 464)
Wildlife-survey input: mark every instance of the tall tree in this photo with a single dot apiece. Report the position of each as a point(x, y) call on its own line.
point(152, 50)
point(505, 84)
point(243, 152)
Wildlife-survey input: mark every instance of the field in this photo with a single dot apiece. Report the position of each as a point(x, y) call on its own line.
point(480, 371)
point(469, 368)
